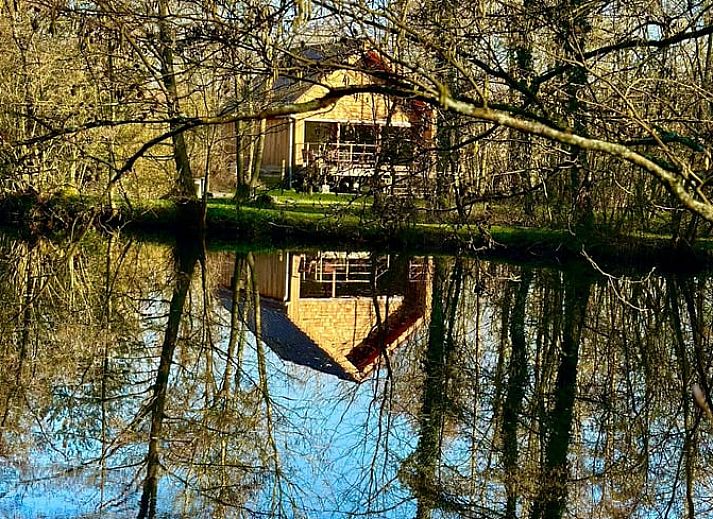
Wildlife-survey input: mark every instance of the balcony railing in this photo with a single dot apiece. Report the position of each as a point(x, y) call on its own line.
point(326, 273)
point(339, 153)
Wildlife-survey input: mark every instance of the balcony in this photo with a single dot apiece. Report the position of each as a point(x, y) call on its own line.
point(340, 155)
point(335, 274)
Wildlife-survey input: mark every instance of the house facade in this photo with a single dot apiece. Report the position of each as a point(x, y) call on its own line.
point(362, 139)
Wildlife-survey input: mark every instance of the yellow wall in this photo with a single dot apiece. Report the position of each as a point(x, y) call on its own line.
point(355, 108)
point(360, 108)
point(337, 325)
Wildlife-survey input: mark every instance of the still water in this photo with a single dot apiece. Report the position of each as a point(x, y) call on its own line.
point(147, 380)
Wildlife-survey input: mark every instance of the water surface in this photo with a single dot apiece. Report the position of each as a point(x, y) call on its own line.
point(144, 380)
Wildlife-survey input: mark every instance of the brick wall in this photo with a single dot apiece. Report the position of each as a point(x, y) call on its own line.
point(337, 324)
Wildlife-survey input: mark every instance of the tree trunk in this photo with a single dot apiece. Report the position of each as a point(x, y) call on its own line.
point(188, 250)
point(184, 187)
point(551, 499)
point(517, 379)
point(575, 29)
point(520, 159)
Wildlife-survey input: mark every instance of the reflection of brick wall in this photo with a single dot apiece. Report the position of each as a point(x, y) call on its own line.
point(337, 324)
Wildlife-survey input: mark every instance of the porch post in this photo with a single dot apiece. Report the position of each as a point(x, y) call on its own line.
point(291, 152)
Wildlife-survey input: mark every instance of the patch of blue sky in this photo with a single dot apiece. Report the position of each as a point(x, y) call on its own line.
point(333, 442)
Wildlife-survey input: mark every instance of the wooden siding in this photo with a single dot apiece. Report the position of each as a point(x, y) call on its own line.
point(271, 274)
point(359, 108)
point(363, 108)
point(299, 140)
point(277, 142)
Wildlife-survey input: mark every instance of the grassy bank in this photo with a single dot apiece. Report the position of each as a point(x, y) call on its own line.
point(284, 219)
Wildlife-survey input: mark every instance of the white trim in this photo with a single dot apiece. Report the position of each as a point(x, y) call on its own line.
point(288, 268)
point(291, 152)
point(377, 122)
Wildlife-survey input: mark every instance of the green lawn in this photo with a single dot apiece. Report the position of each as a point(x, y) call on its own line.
point(318, 219)
point(320, 204)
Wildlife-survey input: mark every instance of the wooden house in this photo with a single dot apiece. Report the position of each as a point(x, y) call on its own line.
point(319, 309)
point(362, 138)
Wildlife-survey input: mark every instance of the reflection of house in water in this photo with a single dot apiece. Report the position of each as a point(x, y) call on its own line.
point(321, 310)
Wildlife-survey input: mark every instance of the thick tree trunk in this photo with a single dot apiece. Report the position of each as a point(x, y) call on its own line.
point(184, 187)
point(187, 253)
point(520, 159)
point(551, 500)
point(517, 380)
point(575, 29)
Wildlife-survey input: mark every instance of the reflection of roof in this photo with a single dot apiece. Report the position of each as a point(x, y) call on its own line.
point(350, 359)
point(335, 335)
point(293, 345)
point(402, 323)
point(288, 341)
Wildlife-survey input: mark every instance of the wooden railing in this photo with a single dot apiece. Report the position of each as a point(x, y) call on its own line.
point(325, 267)
point(332, 269)
point(339, 153)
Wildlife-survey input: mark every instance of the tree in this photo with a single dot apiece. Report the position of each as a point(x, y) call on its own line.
point(571, 60)
point(572, 100)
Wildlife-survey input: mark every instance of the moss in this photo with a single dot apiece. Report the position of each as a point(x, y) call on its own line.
point(308, 224)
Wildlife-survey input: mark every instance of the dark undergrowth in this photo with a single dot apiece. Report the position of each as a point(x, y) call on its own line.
point(348, 224)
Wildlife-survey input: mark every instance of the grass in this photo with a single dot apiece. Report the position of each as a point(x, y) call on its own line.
point(325, 219)
point(319, 203)
point(284, 196)
point(361, 228)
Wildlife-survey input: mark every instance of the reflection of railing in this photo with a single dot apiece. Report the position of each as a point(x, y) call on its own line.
point(331, 269)
point(418, 269)
point(339, 153)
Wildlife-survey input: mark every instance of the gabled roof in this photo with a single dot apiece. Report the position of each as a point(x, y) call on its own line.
point(293, 345)
point(308, 65)
point(289, 342)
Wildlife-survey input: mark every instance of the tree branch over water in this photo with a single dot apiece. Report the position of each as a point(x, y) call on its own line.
point(682, 184)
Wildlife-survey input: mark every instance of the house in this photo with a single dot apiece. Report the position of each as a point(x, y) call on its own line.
point(361, 139)
point(320, 309)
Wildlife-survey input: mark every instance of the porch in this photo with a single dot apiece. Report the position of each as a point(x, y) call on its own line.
point(340, 155)
point(347, 155)
point(335, 274)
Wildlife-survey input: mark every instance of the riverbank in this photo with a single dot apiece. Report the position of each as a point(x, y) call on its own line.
point(347, 222)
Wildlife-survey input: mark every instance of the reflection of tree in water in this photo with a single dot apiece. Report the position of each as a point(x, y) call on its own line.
point(556, 430)
point(187, 253)
point(533, 391)
point(24, 304)
point(446, 387)
point(584, 404)
point(517, 378)
point(85, 385)
point(226, 450)
point(436, 364)
point(44, 289)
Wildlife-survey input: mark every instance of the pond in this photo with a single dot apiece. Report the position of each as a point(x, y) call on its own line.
point(148, 380)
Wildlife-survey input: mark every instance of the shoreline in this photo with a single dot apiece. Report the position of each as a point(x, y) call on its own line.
point(275, 227)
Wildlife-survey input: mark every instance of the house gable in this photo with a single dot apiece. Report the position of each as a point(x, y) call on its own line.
point(358, 108)
point(352, 135)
